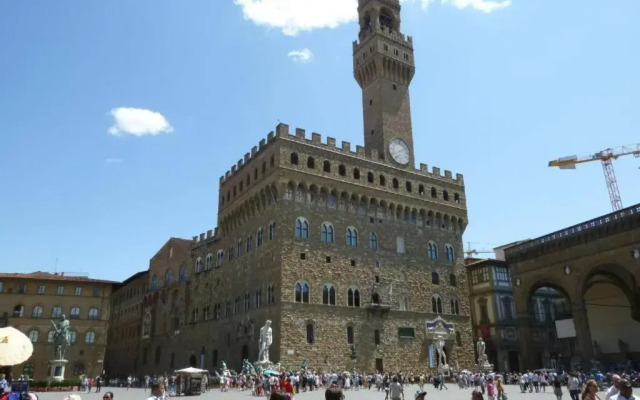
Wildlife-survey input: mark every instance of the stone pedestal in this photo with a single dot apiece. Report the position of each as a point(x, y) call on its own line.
point(57, 368)
point(445, 370)
point(485, 367)
point(263, 366)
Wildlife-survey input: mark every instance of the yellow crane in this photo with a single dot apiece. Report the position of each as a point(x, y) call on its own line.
point(607, 157)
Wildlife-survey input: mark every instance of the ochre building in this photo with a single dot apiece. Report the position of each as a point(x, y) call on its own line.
point(30, 301)
point(340, 246)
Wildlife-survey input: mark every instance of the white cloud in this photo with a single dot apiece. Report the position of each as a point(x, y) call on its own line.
point(114, 161)
point(138, 122)
point(295, 16)
point(301, 56)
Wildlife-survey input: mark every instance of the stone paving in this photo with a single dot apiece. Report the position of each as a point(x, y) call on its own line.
point(454, 393)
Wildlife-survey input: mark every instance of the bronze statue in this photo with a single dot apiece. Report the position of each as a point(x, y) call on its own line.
point(61, 337)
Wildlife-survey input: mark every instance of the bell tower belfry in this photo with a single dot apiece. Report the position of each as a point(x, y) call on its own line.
point(383, 65)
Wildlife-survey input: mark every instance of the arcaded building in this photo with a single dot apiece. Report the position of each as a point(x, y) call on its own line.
point(337, 245)
point(29, 302)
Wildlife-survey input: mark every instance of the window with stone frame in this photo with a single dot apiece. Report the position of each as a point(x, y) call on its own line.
point(258, 298)
point(236, 306)
point(326, 233)
point(56, 312)
point(432, 251)
point(455, 306)
point(302, 228)
point(311, 163)
point(302, 292)
point(329, 295)
point(37, 312)
point(453, 281)
point(33, 335)
point(294, 159)
point(353, 297)
point(220, 258)
point(436, 304)
point(272, 230)
point(352, 236)
point(326, 166)
point(198, 265)
point(249, 244)
point(75, 313)
point(376, 337)
point(373, 241)
point(310, 337)
point(448, 249)
point(90, 337)
point(259, 237)
point(350, 336)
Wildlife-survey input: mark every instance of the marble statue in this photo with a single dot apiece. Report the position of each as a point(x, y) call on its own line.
point(265, 341)
point(442, 357)
point(303, 367)
point(247, 368)
point(61, 337)
point(482, 348)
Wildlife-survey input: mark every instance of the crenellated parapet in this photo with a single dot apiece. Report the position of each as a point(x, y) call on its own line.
point(248, 157)
point(396, 37)
point(210, 235)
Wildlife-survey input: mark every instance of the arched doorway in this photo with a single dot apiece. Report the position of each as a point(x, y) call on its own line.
point(608, 296)
point(551, 321)
point(245, 353)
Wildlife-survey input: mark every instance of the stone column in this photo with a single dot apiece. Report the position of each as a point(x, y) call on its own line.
point(525, 341)
point(584, 346)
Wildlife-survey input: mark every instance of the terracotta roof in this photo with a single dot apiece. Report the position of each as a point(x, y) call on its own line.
point(52, 277)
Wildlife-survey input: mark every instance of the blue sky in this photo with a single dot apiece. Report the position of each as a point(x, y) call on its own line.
point(496, 96)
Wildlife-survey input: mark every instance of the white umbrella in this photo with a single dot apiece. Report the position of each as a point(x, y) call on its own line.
point(15, 347)
point(191, 370)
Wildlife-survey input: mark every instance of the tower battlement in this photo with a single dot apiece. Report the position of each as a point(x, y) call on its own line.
point(388, 33)
point(210, 235)
point(330, 143)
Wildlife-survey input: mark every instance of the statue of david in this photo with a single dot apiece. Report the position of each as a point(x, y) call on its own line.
point(266, 339)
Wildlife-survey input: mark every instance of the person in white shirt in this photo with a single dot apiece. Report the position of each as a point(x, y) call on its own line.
point(395, 390)
point(614, 390)
point(157, 391)
point(626, 391)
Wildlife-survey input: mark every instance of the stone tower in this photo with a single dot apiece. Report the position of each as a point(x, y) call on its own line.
point(384, 67)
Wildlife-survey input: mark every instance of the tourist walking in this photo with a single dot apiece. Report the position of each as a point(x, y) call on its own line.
point(557, 388)
point(574, 387)
point(626, 391)
point(396, 392)
point(590, 390)
point(614, 390)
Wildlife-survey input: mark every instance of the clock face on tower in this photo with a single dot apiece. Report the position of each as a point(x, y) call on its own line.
point(399, 151)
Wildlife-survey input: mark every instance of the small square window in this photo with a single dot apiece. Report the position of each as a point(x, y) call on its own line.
point(372, 220)
point(353, 263)
point(303, 256)
point(328, 259)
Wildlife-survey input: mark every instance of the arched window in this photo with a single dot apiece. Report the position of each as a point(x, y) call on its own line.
point(448, 249)
point(370, 177)
point(311, 163)
point(33, 335)
point(209, 262)
point(350, 334)
point(310, 334)
point(421, 190)
point(50, 336)
point(72, 336)
point(395, 183)
point(18, 311)
point(383, 181)
point(400, 245)
point(434, 192)
point(56, 312)
point(453, 281)
point(302, 228)
point(154, 283)
point(342, 170)
point(373, 241)
point(75, 312)
point(78, 369)
point(435, 278)
point(220, 258)
point(456, 198)
point(352, 236)
point(455, 306)
point(259, 238)
point(198, 265)
point(445, 195)
point(353, 297)
point(302, 292)
point(93, 313)
point(404, 303)
point(328, 295)
point(168, 276)
point(326, 166)
point(432, 251)
point(294, 159)
point(356, 173)
point(182, 274)
point(326, 233)
point(37, 312)
point(376, 337)
point(90, 337)
point(408, 185)
point(272, 230)
point(436, 304)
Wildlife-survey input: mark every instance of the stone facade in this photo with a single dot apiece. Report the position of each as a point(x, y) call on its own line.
point(593, 266)
point(125, 326)
point(30, 301)
point(336, 246)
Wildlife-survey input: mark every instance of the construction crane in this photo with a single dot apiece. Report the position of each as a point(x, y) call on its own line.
point(607, 157)
point(472, 252)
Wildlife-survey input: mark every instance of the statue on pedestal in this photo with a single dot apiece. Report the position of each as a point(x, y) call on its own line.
point(481, 347)
point(442, 357)
point(61, 337)
point(265, 341)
